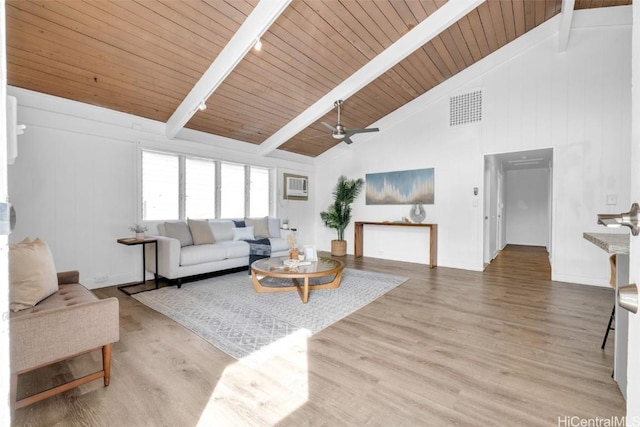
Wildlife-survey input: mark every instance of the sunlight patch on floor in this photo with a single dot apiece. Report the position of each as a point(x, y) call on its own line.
point(262, 388)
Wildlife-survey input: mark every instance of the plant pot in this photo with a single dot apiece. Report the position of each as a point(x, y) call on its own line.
point(140, 236)
point(338, 247)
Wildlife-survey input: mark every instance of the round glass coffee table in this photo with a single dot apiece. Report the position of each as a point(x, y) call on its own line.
point(274, 268)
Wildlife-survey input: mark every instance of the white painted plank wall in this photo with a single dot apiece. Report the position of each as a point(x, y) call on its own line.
point(75, 181)
point(534, 97)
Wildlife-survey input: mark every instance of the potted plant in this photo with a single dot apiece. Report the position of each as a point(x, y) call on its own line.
point(139, 230)
point(338, 215)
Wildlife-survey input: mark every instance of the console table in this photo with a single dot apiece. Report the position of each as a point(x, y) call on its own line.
point(433, 237)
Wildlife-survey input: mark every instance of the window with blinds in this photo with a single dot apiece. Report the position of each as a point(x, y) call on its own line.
point(232, 191)
point(176, 186)
point(160, 186)
point(260, 195)
point(200, 186)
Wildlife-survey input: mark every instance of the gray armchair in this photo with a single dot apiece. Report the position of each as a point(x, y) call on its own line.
point(71, 322)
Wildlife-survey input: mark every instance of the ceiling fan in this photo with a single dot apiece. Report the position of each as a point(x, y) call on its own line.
point(342, 133)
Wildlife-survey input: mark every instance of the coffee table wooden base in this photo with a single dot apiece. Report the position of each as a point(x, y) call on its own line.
point(302, 288)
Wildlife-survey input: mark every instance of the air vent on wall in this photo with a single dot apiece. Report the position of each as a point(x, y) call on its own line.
point(465, 108)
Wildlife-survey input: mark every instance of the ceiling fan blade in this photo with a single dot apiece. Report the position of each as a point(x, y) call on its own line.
point(347, 140)
point(327, 125)
point(355, 131)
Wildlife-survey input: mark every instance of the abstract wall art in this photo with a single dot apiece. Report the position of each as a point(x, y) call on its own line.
point(400, 188)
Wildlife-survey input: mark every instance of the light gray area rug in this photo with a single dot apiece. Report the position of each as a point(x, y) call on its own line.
point(227, 312)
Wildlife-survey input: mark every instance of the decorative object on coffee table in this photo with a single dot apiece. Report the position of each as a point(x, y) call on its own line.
point(338, 215)
point(292, 241)
point(310, 253)
point(293, 253)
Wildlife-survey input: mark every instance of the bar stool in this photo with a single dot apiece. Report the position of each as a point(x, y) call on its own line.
point(612, 282)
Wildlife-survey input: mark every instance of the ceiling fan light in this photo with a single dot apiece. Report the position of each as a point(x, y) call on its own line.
point(336, 135)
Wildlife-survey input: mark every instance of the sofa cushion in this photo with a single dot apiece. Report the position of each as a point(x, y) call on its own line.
point(200, 254)
point(179, 230)
point(278, 244)
point(260, 226)
point(236, 249)
point(200, 232)
point(274, 227)
point(243, 233)
point(32, 274)
point(66, 296)
point(222, 229)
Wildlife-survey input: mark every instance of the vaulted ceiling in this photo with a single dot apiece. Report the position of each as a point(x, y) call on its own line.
point(144, 57)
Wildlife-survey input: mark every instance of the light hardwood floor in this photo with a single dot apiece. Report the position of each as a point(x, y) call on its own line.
point(448, 347)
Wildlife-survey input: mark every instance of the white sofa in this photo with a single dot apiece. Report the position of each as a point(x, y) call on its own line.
point(186, 249)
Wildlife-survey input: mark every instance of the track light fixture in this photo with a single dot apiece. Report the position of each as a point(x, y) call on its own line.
point(258, 45)
point(202, 106)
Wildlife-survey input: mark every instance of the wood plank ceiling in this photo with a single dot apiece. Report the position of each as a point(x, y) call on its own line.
point(143, 57)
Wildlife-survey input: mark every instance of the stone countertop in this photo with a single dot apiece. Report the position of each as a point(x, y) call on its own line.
point(609, 242)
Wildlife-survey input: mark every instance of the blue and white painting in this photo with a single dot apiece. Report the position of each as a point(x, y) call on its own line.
point(400, 188)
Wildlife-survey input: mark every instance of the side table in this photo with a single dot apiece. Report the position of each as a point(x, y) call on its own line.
point(132, 241)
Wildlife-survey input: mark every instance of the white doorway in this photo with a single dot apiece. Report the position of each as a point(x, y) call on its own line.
point(517, 200)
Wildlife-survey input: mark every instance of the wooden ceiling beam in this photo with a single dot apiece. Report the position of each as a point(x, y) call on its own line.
point(431, 27)
point(565, 24)
point(256, 24)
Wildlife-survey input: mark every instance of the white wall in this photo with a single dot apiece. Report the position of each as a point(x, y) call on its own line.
point(527, 207)
point(75, 182)
point(534, 97)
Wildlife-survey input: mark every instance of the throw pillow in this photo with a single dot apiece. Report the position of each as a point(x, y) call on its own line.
point(243, 233)
point(32, 274)
point(179, 230)
point(274, 227)
point(222, 229)
point(201, 232)
point(260, 226)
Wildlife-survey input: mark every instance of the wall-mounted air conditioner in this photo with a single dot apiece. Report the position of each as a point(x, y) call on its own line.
point(296, 187)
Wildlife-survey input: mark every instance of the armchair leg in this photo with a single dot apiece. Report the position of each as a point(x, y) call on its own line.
point(14, 390)
point(106, 363)
point(104, 373)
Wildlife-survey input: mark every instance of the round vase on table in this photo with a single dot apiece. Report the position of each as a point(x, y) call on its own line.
point(417, 213)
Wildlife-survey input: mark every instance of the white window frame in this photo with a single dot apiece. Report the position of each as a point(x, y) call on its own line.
point(218, 184)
